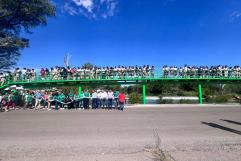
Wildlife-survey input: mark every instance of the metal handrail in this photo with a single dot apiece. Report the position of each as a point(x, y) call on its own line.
point(157, 74)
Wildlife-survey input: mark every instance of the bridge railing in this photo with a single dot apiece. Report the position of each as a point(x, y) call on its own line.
point(157, 74)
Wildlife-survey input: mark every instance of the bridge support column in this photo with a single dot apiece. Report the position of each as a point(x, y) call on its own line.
point(144, 93)
point(79, 90)
point(200, 93)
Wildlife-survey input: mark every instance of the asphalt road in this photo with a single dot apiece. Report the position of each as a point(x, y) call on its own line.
point(195, 133)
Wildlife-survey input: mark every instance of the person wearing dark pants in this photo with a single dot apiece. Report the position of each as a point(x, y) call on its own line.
point(81, 103)
point(57, 104)
point(103, 102)
point(86, 103)
point(94, 100)
point(99, 99)
point(110, 103)
point(79, 97)
point(110, 99)
point(104, 99)
point(76, 102)
point(122, 99)
point(116, 95)
point(56, 98)
point(86, 99)
point(60, 100)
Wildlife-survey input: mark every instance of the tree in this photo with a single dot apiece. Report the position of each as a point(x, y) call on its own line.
point(88, 65)
point(17, 16)
point(67, 60)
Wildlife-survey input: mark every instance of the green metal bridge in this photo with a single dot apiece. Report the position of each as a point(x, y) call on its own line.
point(39, 83)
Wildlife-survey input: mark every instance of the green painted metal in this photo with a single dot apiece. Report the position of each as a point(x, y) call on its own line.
point(39, 83)
point(200, 94)
point(144, 93)
point(54, 83)
point(79, 90)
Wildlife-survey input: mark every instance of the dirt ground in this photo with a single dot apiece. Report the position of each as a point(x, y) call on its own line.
point(187, 132)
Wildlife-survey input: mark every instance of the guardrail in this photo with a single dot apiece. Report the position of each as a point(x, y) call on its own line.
point(127, 76)
point(123, 78)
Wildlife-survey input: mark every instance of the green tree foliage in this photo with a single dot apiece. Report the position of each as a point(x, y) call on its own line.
point(134, 98)
point(17, 16)
point(88, 65)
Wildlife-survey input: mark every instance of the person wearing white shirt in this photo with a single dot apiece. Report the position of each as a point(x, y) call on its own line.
point(24, 73)
point(99, 101)
point(110, 99)
point(104, 97)
point(2, 80)
point(94, 100)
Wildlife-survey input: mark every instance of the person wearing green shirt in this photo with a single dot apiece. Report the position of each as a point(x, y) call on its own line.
point(86, 99)
point(60, 100)
point(70, 100)
point(56, 100)
point(116, 95)
point(81, 96)
point(61, 97)
point(28, 100)
point(55, 96)
point(77, 101)
point(71, 95)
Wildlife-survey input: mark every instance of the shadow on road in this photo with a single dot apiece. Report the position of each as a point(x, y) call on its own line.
point(230, 121)
point(221, 127)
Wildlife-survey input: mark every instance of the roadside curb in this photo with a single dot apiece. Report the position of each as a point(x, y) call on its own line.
point(180, 105)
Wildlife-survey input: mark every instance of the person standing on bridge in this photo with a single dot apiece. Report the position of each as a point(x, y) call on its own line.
point(2, 78)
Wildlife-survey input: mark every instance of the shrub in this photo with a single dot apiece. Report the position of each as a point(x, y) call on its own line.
point(134, 98)
point(222, 99)
point(188, 101)
point(217, 99)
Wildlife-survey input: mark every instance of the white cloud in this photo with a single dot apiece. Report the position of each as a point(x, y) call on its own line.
point(234, 16)
point(93, 9)
point(69, 9)
point(87, 4)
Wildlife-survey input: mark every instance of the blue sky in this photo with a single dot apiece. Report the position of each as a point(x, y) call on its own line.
point(137, 32)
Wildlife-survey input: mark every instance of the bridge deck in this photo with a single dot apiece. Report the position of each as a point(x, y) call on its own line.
point(38, 83)
point(72, 82)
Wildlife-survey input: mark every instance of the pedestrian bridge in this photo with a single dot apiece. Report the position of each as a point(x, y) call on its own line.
point(42, 83)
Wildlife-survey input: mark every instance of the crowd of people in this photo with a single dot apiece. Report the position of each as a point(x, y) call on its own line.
point(67, 73)
point(56, 100)
point(146, 71)
point(201, 71)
